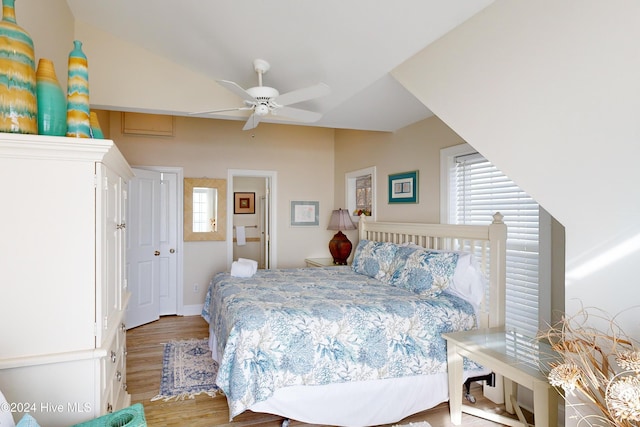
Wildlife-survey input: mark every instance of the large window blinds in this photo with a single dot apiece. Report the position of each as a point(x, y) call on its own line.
point(478, 190)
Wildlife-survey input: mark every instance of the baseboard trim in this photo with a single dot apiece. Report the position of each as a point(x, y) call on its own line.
point(192, 310)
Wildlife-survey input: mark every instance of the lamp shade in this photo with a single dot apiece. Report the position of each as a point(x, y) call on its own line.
point(341, 220)
point(340, 246)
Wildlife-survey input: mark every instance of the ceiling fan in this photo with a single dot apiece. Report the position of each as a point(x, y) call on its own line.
point(263, 100)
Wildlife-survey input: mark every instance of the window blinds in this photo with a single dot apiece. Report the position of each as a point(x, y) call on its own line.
point(478, 190)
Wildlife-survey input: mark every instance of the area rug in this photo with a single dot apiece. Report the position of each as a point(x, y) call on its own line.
point(187, 370)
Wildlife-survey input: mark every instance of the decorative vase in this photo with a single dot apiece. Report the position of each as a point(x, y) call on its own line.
point(96, 130)
point(18, 105)
point(78, 119)
point(340, 248)
point(52, 104)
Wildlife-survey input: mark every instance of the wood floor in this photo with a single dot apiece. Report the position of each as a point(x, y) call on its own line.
point(144, 368)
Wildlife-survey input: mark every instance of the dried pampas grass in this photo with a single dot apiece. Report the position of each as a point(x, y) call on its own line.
point(599, 367)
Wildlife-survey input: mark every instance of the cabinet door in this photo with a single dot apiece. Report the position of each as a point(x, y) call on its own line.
point(110, 252)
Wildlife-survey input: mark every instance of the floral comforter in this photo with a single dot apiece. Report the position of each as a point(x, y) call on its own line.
point(313, 326)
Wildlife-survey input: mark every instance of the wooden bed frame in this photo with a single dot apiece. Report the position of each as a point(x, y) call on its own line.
point(487, 243)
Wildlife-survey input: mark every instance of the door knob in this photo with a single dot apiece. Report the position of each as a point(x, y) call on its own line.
point(157, 253)
point(172, 251)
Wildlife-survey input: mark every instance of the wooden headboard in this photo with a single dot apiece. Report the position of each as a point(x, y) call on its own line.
point(487, 243)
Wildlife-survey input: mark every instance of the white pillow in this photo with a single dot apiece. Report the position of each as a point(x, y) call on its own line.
point(468, 281)
point(6, 419)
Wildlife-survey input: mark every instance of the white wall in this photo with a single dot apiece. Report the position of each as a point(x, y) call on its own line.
point(549, 91)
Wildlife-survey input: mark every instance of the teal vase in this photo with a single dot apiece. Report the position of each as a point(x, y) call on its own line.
point(78, 119)
point(52, 103)
point(18, 105)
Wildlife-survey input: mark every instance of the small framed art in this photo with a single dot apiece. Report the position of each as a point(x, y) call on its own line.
point(403, 187)
point(244, 203)
point(305, 213)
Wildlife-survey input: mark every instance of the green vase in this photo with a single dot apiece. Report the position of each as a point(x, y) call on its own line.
point(18, 105)
point(78, 119)
point(52, 103)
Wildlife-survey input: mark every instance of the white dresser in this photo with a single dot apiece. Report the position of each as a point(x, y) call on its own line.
point(63, 291)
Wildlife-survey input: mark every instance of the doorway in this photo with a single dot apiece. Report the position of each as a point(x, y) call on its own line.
point(154, 244)
point(258, 239)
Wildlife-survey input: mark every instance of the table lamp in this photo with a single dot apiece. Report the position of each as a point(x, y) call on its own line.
point(340, 246)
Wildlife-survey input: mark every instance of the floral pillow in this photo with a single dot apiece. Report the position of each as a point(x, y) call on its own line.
point(400, 259)
point(374, 259)
point(425, 272)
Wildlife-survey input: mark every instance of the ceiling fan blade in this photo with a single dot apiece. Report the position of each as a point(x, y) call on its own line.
point(222, 110)
point(303, 94)
point(298, 114)
point(235, 88)
point(252, 122)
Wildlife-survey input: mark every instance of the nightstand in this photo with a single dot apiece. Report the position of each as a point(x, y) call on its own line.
point(320, 262)
point(517, 359)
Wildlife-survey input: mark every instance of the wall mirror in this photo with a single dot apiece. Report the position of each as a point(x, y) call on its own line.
point(360, 193)
point(205, 209)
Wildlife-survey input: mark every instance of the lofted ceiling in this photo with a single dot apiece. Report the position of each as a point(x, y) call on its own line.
point(352, 46)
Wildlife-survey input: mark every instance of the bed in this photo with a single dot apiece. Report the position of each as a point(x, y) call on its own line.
point(357, 345)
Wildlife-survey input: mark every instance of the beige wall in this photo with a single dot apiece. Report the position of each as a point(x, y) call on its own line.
point(301, 156)
point(304, 160)
point(416, 147)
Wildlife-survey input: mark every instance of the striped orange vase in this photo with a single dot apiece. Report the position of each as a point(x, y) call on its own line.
point(78, 119)
point(96, 130)
point(18, 105)
point(52, 103)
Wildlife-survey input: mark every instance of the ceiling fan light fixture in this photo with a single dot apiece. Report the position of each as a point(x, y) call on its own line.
point(261, 110)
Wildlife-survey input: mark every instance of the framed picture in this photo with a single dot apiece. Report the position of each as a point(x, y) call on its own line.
point(403, 187)
point(305, 213)
point(244, 203)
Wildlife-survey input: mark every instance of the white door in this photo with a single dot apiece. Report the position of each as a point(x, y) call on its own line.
point(143, 248)
point(265, 223)
point(168, 241)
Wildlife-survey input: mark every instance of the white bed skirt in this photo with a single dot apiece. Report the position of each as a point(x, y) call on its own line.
point(356, 404)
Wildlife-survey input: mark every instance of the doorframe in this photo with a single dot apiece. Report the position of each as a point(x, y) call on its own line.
point(179, 171)
point(272, 176)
